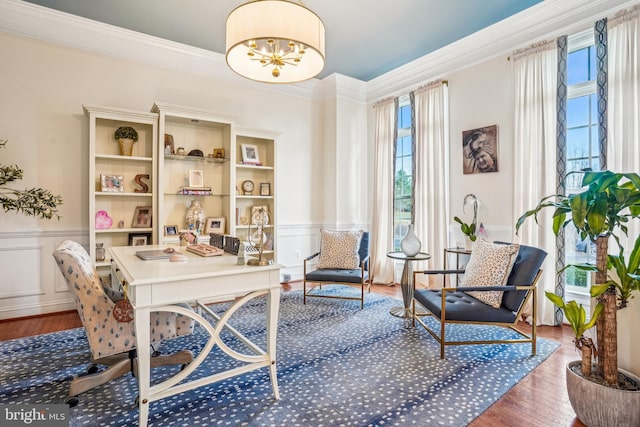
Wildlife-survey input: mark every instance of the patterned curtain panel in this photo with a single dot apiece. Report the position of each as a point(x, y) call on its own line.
point(382, 227)
point(623, 104)
point(561, 136)
point(431, 191)
point(601, 89)
point(535, 75)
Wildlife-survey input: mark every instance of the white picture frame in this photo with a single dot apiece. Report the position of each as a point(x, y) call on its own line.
point(250, 154)
point(196, 178)
point(214, 225)
point(112, 183)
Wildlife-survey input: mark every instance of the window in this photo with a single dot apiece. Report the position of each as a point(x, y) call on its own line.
point(403, 186)
point(582, 149)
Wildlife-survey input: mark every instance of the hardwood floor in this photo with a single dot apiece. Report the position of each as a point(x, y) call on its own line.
point(538, 400)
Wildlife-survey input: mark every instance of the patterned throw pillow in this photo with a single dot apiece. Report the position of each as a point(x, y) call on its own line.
point(489, 265)
point(339, 249)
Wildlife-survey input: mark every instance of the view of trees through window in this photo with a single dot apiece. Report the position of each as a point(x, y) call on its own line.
point(582, 149)
point(403, 186)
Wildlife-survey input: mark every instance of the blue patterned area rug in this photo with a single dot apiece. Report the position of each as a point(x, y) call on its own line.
point(337, 366)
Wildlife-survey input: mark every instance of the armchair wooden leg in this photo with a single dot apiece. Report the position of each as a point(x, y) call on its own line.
point(304, 291)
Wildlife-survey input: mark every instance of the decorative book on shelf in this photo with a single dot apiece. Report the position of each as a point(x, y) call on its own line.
point(195, 191)
point(203, 249)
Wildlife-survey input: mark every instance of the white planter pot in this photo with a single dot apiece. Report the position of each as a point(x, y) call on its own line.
point(597, 405)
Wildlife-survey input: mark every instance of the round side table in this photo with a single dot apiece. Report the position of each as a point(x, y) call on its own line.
point(406, 281)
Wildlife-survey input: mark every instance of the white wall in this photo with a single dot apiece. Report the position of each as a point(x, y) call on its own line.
point(481, 96)
point(43, 88)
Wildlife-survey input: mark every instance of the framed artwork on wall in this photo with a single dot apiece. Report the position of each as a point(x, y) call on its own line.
point(480, 150)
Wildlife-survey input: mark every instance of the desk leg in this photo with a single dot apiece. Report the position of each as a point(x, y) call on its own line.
point(273, 305)
point(143, 338)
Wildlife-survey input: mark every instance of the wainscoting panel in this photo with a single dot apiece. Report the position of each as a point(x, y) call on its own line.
point(21, 282)
point(31, 283)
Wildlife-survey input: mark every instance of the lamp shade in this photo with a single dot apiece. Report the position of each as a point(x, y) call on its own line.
point(283, 26)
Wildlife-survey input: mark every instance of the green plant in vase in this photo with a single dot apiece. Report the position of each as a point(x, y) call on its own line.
point(468, 230)
point(126, 137)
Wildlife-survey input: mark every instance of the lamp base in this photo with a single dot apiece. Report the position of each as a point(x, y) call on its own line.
point(259, 262)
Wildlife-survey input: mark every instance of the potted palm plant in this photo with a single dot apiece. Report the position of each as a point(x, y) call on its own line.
point(602, 209)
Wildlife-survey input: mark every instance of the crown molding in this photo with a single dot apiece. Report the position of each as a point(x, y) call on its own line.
point(550, 18)
point(546, 19)
point(40, 23)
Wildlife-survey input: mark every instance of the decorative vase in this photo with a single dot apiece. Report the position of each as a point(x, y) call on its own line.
point(468, 243)
point(126, 146)
point(195, 217)
point(410, 244)
point(100, 252)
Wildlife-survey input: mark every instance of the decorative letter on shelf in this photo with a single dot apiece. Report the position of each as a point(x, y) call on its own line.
point(145, 187)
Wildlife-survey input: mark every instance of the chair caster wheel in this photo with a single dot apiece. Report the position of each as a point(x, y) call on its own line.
point(156, 353)
point(183, 367)
point(71, 401)
point(93, 369)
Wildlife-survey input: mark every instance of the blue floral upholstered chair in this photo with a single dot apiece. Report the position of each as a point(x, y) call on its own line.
point(343, 260)
point(112, 343)
point(498, 282)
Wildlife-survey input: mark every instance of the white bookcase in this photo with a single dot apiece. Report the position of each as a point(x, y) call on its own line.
point(105, 161)
point(260, 176)
point(192, 129)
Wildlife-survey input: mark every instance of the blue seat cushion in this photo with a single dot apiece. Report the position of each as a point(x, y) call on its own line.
point(336, 275)
point(462, 307)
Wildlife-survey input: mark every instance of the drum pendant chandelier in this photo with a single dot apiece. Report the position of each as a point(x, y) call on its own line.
point(275, 41)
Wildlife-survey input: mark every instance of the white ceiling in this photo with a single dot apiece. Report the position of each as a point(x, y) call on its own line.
point(364, 38)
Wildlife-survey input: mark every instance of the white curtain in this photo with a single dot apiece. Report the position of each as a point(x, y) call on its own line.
point(431, 192)
point(534, 156)
point(383, 183)
point(623, 127)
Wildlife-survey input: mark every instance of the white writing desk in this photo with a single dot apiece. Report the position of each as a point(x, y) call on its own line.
point(159, 284)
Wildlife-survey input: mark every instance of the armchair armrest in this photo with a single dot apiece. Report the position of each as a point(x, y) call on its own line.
point(461, 271)
point(310, 257)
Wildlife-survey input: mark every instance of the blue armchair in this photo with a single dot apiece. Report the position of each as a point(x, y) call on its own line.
point(343, 248)
point(465, 305)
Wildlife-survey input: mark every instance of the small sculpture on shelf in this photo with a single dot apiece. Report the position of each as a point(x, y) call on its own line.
point(126, 137)
point(258, 238)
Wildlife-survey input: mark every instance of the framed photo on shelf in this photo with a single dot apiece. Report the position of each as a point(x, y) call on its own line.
point(170, 230)
point(112, 183)
point(139, 239)
point(214, 225)
point(168, 144)
point(196, 178)
point(265, 189)
point(142, 217)
point(250, 154)
point(218, 153)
